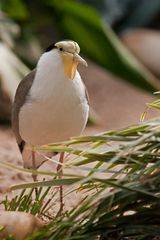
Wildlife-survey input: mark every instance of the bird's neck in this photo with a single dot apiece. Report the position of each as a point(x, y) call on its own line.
point(50, 76)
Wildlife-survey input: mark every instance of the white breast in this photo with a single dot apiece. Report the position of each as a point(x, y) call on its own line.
point(56, 108)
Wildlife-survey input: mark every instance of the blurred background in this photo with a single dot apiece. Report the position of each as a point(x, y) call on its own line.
point(120, 39)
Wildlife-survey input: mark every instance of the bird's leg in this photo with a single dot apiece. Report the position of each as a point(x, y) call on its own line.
point(34, 176)
point(60, 170)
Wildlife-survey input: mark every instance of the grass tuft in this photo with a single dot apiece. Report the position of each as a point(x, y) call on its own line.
point(117, 172)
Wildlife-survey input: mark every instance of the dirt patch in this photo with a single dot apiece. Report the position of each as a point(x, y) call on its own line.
point(117, 103)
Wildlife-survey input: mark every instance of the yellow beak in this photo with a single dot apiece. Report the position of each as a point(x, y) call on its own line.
point(71, 61)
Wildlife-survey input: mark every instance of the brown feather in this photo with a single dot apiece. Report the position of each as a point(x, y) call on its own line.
point(20, 98)
point(86, 93)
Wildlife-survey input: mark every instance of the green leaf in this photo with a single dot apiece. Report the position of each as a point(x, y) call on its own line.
point(98, 42)
point(15, 9)
point(55, 182)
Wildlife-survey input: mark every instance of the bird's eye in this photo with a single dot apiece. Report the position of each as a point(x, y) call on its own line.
point(61, 49)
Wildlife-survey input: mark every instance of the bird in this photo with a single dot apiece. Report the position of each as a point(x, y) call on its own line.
point(51, 103)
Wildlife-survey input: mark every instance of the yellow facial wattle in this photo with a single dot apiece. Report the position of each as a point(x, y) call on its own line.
point(70, 65)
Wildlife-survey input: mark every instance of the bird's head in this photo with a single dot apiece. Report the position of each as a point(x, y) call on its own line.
point(69, 51)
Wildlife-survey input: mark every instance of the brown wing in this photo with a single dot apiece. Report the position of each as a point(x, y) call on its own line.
point(86, 93)
point(19, 100)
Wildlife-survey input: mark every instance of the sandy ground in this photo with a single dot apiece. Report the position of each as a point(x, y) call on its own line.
point(9, 153)
point(116, 103)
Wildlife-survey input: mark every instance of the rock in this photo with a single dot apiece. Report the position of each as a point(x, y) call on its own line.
point(145, 45)
point(18, 224)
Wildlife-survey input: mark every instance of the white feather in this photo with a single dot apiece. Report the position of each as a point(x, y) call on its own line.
point(56, 108)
